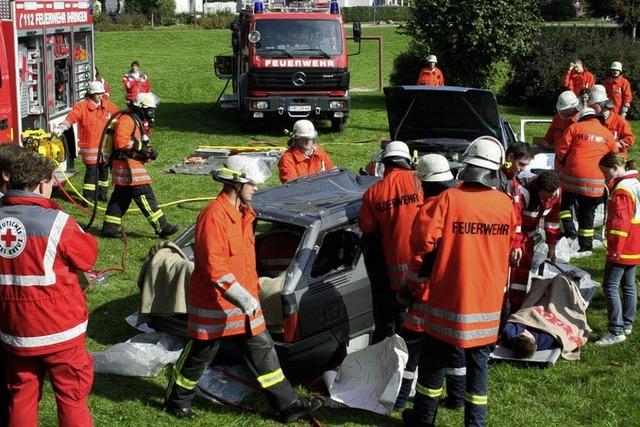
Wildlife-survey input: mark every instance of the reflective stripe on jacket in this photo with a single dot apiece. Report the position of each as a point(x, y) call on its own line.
point(133, 86)
point(127, 172)
point(390, 206)
point(224, 256)
point(42, 308)
point(294, 164)
point(623, 220)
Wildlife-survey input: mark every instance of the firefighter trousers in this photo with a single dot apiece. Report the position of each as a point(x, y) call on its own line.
point(436, 356)
point(119, 204)
point(4, 392)
point(260, 354)
point(585, 211)
point(71, 374)
point(89, 186)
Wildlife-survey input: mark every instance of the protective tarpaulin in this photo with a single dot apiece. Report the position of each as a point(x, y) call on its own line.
point(370, 379)
point(226, 384)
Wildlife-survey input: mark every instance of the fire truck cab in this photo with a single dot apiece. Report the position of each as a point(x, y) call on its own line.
point(46, 64)
point(289, 61)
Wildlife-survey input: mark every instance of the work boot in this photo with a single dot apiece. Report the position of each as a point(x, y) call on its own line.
point(168, 230)
point(452, 404)
point(182, 413)
point(298, 409)
point(410, 419)
point(111, 231)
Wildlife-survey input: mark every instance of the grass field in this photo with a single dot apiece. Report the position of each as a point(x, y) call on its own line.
point(598, 390)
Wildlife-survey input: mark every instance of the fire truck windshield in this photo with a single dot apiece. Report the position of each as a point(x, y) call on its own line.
point(302, 38)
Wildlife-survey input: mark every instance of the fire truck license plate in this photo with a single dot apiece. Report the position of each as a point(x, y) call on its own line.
point(299, 108)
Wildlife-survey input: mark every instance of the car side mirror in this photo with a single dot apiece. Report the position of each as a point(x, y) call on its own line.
point(357, 32)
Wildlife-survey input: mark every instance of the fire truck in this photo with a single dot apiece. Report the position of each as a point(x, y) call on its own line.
point(46, 64)
point(289, 61)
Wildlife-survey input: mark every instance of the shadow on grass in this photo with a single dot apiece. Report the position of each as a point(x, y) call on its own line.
point(107, 324)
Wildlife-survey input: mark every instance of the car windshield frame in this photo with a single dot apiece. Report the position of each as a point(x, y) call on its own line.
point(308, 38)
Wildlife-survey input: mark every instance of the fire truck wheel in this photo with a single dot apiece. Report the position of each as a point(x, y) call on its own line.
point(337, 124)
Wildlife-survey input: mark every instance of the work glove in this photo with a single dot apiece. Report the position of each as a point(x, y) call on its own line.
point(57, 131)
point(238, 296)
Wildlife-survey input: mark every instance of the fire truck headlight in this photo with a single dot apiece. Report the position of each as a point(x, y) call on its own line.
point(260, 105)
point(335, 105)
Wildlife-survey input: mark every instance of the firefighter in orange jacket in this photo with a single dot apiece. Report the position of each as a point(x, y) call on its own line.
point(581, 147)
point(577, 78)
point(618, 125)
point(618, 90)
point(43, 312)
point(223, 297)
point(431, 75)
point(567, 113)
point(131, 150)
point(91, 115)
point(472, 227)
point(304, 156)
point(386, 214)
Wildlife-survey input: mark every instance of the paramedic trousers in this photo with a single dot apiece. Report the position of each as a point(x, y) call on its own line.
point(435, 358)
point(120, 201)
point(260, 354)
point(585, 210)
point(101, 171)
point(4, 392)
point(71, 374)
point(519, 278)
point(621, 313)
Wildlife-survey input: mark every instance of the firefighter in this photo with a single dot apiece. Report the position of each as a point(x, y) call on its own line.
point(91, 115)
point(98, 78)
point(541, 200)
point(43, 312)
point(577, 78)
point(386, 214)
point(578, 152)
point(472, 227)
point(618, 125)
point(223, 297)
point(618, 90)
point(567, 112)
point(304, 156)
point(431, 75)
point(435, 176)
point(135, 82)
point(131, 150)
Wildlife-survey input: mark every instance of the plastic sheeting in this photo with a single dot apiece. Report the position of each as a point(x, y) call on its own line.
point(226, 384)
point(370, 379)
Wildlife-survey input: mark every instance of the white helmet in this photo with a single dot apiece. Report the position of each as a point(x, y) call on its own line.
point(433, 168)
point(485, 152)
point(304, 129)
point(586, 112)
point(597, 95)
point(615, 65)
point(146, 100)
point(243, 170)
point(567, 100)
point(95, 87)
point(396, 149)
point(432, 58)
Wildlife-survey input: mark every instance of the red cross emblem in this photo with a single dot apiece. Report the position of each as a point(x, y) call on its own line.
point(13, 237)
point(8, 238)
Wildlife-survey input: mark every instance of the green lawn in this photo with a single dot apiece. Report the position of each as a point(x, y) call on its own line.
point(599, 390)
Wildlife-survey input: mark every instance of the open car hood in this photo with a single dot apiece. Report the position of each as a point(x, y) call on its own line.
point(441, 112)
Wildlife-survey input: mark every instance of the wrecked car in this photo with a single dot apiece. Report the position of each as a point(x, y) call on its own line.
point(441, 120)
point(315, 292)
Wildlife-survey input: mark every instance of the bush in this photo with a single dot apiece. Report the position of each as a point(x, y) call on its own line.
point(216, 20)
point(558, 10)
point(383, 13)
point(536, 77)
point(123, 22)
point(406, 67)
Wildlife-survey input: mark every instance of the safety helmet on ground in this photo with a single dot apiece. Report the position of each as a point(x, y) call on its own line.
point(485, 152)
point(432, 58)
point(396, 149)
point(566, 101)
point(95, 88)
point(242, 170)
point(304, 129)
point(146, 100)
point(615, 65)
point(586, 113)
point(433, 168)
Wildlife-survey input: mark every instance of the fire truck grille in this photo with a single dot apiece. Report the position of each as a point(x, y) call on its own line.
point(299, 79)
point(5, 10)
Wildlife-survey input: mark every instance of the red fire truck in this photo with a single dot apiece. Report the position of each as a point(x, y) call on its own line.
point(289, 60)
point(46, 64)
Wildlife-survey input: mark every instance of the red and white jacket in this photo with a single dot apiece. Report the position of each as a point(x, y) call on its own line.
point(623, 220)
point(42, 308)
point(534, 211)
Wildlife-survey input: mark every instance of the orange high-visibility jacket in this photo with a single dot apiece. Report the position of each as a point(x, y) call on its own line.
point(575, 81)
point(579, 151)
point(623, 220)
point(618, 91)
point(127, 172)
point(428, 77)
point(621, 130)
point(389, 206)
point(294, 163)
point(472, 227)
point(556, 129)
point(224, 256)
point(91, 119)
